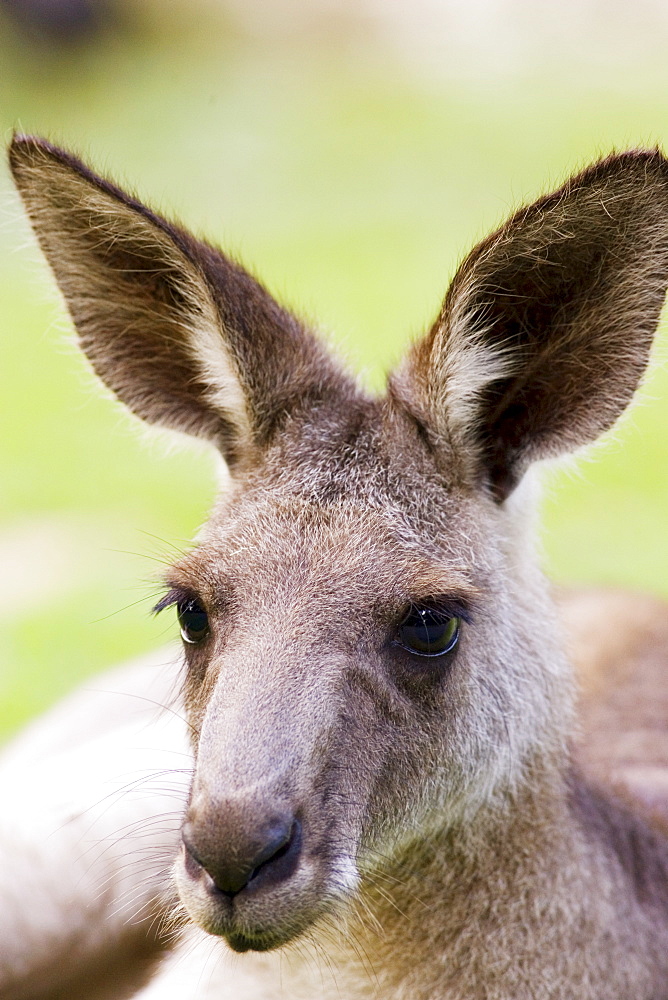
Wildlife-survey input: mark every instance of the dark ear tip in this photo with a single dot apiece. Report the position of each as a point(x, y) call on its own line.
point(22, 143)
point(631, 165)
point(24, 149)
point(640, 160)
point(27, 151)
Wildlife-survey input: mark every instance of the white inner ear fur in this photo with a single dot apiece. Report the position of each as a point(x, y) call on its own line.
point(461, 365)
point(204, 338)
point(207, 347)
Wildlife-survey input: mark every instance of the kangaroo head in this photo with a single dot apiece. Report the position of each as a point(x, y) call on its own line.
point(366, 637)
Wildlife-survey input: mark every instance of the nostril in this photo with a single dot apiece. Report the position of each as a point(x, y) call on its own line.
point(232, 867)
point(193, 862)
point(280, 849)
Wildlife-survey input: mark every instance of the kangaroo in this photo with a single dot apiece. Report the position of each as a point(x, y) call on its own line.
point(389, 792)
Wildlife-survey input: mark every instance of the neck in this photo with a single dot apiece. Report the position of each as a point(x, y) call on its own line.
point(533, 890)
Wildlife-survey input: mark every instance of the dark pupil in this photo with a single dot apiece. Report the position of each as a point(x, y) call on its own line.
point(193, 620)
point(428, 632)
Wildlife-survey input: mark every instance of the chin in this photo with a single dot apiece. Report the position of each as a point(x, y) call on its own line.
point(242, 942)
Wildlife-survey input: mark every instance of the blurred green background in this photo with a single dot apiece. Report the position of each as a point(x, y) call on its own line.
point(350, 153)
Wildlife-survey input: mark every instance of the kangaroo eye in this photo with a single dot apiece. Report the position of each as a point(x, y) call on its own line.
point(193, 620)
point(428, 632)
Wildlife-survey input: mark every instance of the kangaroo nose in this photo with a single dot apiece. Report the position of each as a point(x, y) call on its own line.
point(233, 860)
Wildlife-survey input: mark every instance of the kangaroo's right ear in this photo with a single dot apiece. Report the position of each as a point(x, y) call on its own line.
point(546, 330)
point(184, 336)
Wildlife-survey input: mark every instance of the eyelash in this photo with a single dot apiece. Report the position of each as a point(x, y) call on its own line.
point(173, 596)
point(447, 606)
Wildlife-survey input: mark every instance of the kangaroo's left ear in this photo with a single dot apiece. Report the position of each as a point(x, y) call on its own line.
point(179, 332)
point(546, 330)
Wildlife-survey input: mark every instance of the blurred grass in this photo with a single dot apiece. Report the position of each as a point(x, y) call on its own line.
point(352, 185)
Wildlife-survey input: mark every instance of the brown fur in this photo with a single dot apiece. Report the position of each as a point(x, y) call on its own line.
point(112, 973)
point(618, 642)
point(445, 828)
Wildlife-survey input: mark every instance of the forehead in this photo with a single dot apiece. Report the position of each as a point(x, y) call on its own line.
point(283, 547)
point(348, 506)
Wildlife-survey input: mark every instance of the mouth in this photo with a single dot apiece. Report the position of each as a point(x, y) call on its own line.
point(249, 929)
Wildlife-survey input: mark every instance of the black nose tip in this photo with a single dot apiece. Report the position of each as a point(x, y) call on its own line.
point(264, 859)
